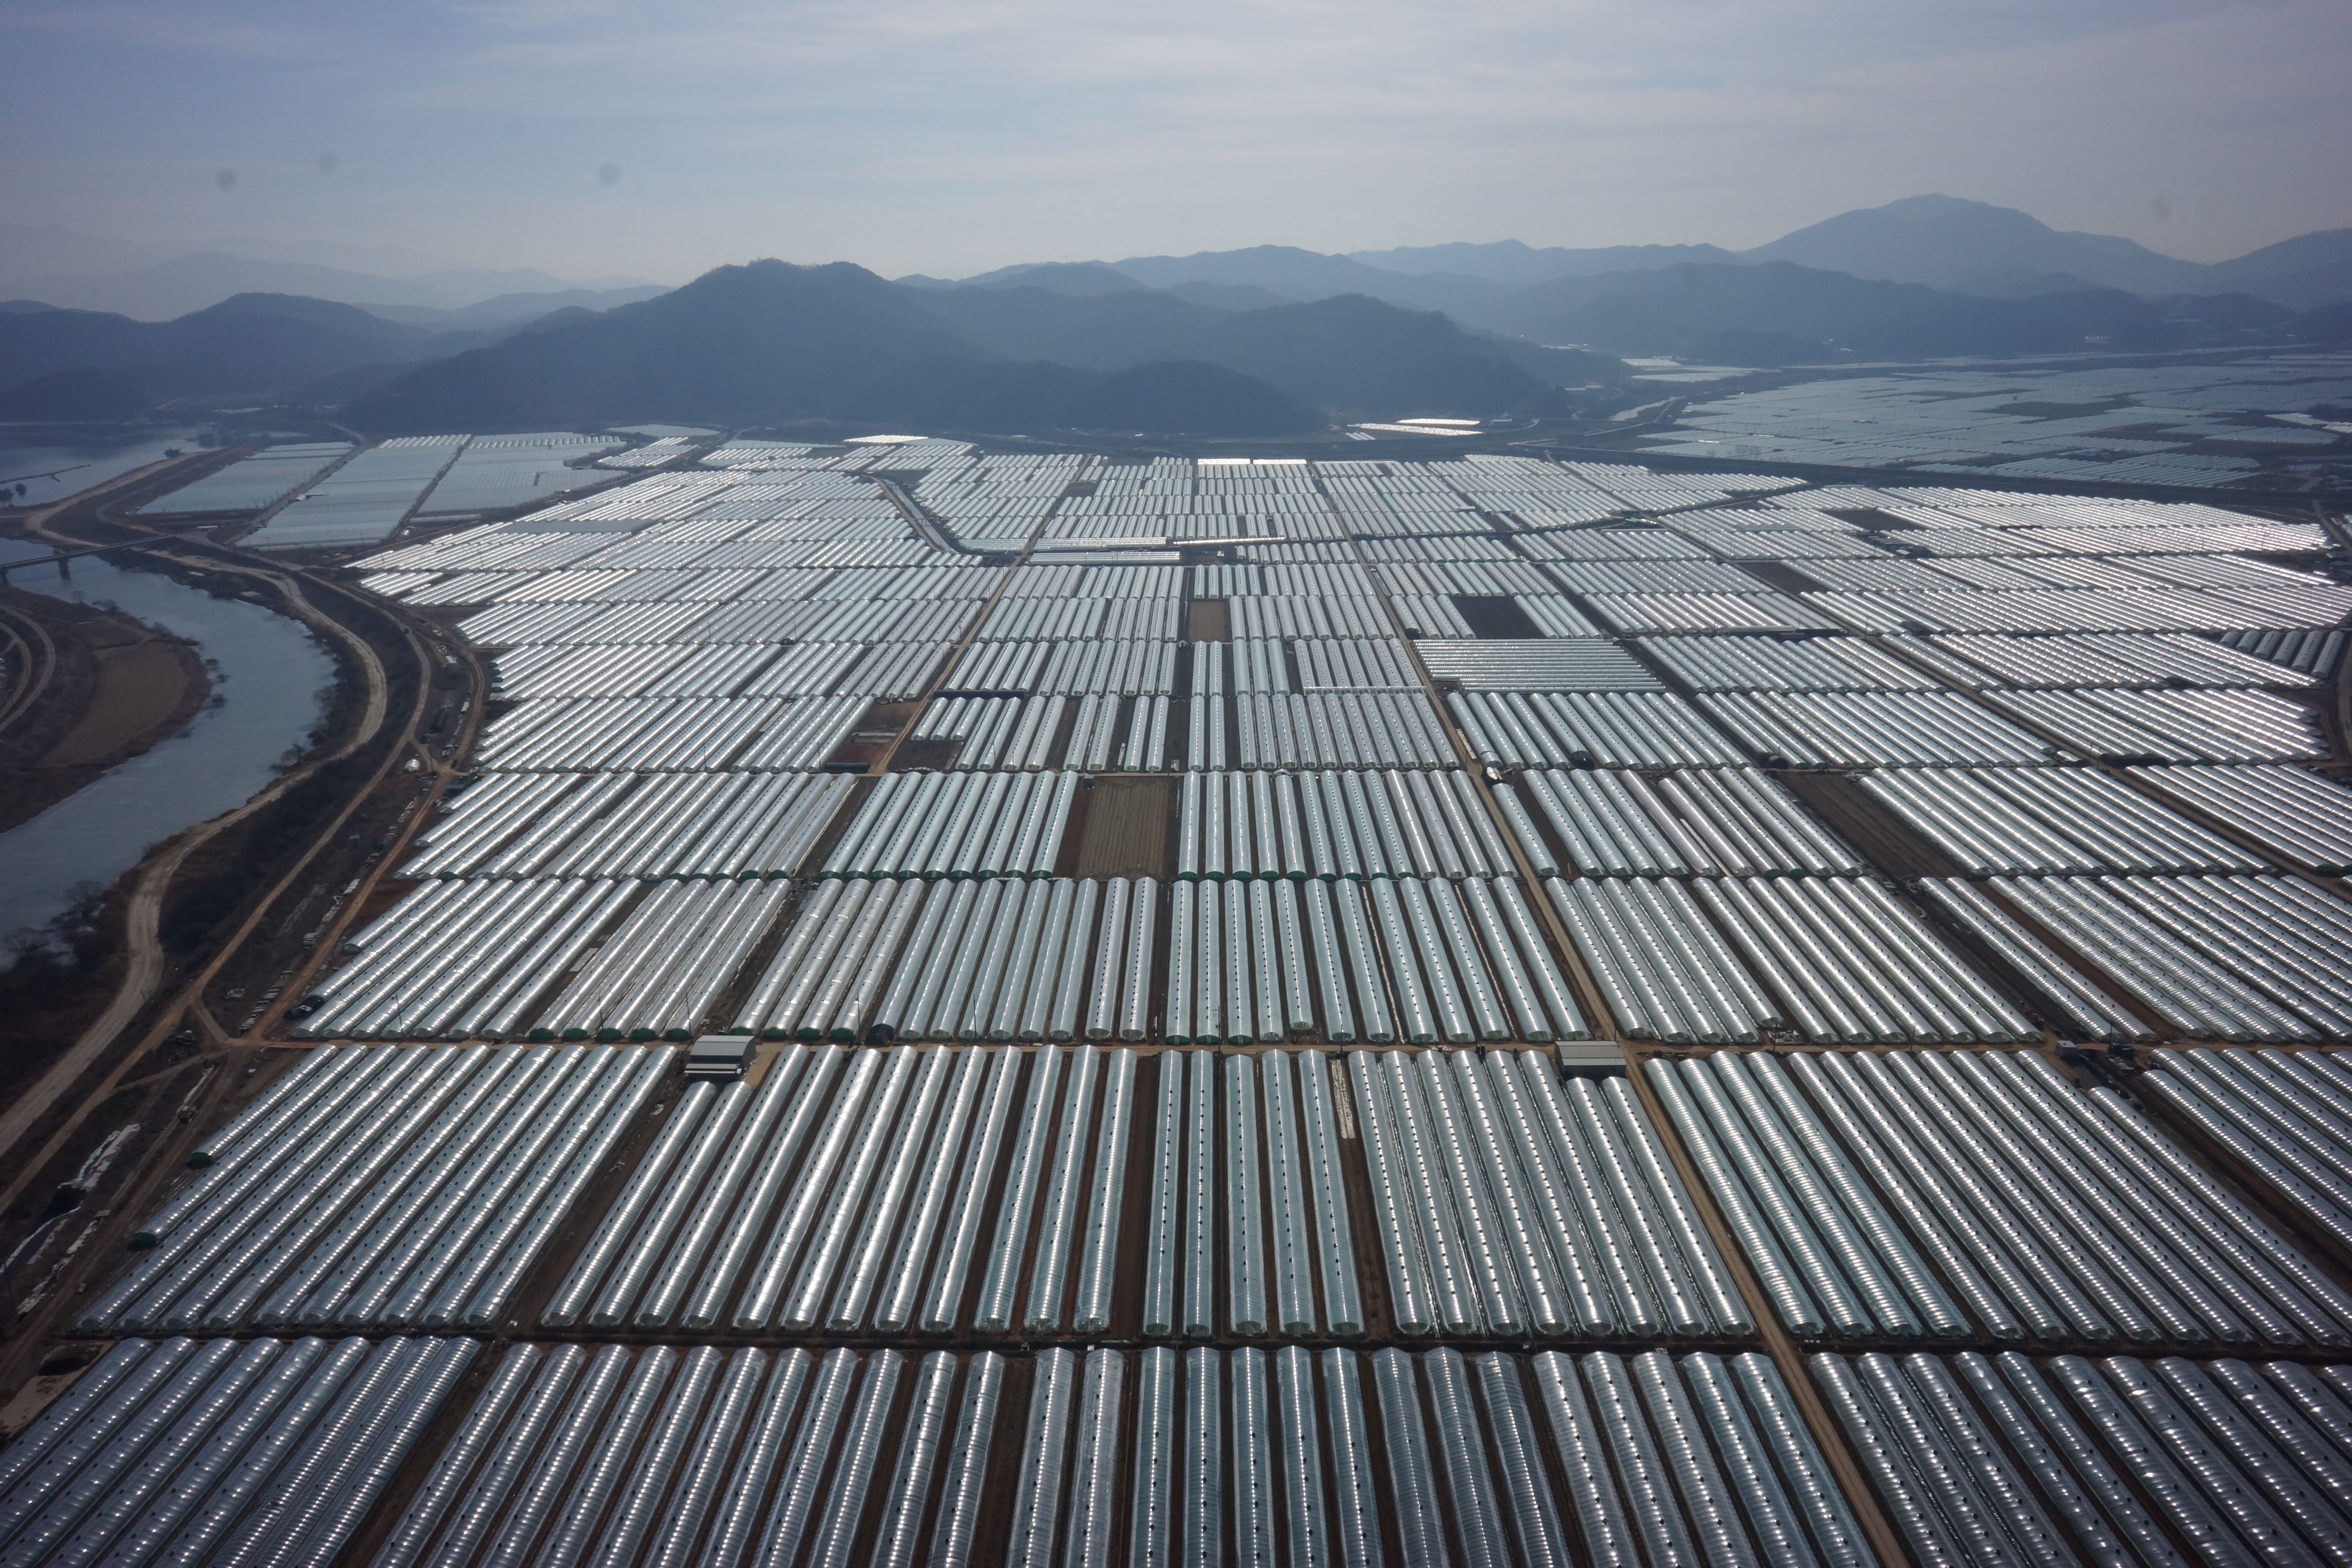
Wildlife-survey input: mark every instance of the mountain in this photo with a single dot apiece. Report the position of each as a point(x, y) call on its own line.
point(1101, 332)
point(1190, 397)
point(175, 287)
point(1182, 397)
point(1696, 310)
point(1967, 247)
point(86, 395)
point(1283, 269)
point(252, 344)
point(1510, 261)
point(1228, 296)
point(2330, 324)
point(756, 344)
point(2019, 283)
point(512, 310)
point(1367, 357)
point(1348, 353)
point(1307, 276)
point(31, 250)
point(1081, 278)
point(769, 344)
point(2307, 271)
point(1938, 240)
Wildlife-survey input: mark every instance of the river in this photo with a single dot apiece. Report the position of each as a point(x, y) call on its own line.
point(87, 455)
point(268, 678)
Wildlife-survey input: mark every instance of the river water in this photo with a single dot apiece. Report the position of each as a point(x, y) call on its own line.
point(33, 455)
point(269, 677)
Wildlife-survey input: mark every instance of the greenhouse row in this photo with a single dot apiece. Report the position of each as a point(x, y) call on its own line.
point(2049, 820)
point(2028, 1208)
point(1611, 729)
point(1868, 729)
point(1698, 822)
point(664, 734)
point(2112, 1460)
point(384, 1187)
point(1368, 1011)
point(2093, 659)
point(1331, 825)
point(2219, 957)
point(1768, 664)
point(223, 1450)
point(2282, 1114)
point(1151, 1456)
point(1827, 958)
point(650, 825)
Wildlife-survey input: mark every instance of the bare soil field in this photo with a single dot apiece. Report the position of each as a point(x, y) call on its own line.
point(119, 687)
point(142, 685)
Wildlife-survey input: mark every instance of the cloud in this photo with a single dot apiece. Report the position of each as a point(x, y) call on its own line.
point(953, 136)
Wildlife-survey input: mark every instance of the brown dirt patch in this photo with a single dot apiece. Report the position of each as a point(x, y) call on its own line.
point(100, 683)
point(1125, 832)
point(1781, 575)
point(1887, 841)
point(141, 686)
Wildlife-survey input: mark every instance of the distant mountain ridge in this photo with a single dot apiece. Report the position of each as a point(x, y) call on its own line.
point(1511, 261)
point(262, 346)
point(158, 283)
point(1806, 315)
point(508, 309)
point(1944, 242)
point(1937, 240)
point(768, 342)
point(196, 282)
point(1266, 339)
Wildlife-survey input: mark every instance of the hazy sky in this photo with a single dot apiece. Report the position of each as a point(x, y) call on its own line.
point(600, 136)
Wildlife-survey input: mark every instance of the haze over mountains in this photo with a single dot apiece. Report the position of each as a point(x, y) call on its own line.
point(156, 283)
point(769, 344)
point(1939, 242)
point(1264, 340)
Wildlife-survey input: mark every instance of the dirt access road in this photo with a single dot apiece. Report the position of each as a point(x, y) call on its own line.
point(35, 658)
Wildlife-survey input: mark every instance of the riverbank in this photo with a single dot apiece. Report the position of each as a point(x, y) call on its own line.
point(111, 687)
point(268, 681)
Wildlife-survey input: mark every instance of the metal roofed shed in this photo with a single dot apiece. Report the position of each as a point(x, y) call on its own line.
point(718, 1056)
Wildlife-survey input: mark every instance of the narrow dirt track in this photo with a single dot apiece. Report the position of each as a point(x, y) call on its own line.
point(40, 656)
